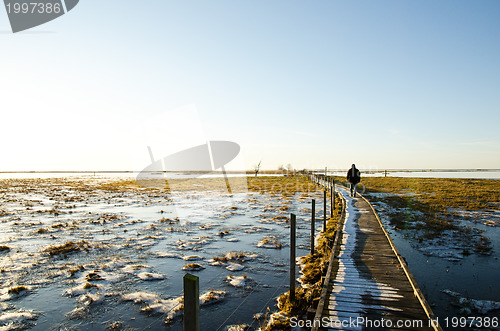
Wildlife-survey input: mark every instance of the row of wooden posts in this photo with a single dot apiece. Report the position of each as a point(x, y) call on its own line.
point(191, 283)
point(328, 183)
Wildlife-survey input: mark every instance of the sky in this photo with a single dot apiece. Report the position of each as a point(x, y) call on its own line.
point(383, 84)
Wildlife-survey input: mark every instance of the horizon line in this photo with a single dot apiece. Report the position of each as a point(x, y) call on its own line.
point(252, 170)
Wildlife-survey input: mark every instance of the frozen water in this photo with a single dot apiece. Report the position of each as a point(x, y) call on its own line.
point(133, 239)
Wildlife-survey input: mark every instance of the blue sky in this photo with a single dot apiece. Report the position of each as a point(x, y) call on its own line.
point(384, 84)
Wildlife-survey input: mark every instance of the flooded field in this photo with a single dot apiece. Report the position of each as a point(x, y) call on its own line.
point(102, 253)
point(82, 253)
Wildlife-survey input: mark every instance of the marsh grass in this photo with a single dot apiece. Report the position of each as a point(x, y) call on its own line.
point(90, 286)
point(278, 324)
point(428, 205)
point(193, 267)
point(75, 270)
point(16, 290)
point(93, 277)
point(231, 256)
point(284, 185)
point(237, 184)
point(440, 194)
point(269, 242)
point(118, 186)
point(115, 325)
point(222, 259)
point(67, 248)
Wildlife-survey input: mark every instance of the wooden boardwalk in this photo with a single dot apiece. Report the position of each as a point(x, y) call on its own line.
point(368, 285)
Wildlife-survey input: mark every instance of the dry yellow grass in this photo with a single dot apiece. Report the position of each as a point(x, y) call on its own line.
point(16, 290)
point(440, 193)
point(69, 247)
point(431, 205)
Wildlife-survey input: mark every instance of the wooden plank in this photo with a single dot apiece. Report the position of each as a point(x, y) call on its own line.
point(375, 301)
point(361, 308)
point(382, 272)
point(345, 295)
point(379, 278)
point(366, 284)
point(383, 280)
point(375, 295)
point(373, 308)
point(371, 284)
point(388, 299)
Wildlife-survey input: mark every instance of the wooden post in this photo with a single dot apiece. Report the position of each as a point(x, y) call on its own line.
point(334, 192)
point(332, 198)
point(292, 257)
point(324, 210)
point(191, 303)
point(313, 222)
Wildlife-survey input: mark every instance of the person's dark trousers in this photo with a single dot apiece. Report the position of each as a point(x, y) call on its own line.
point(353, 189)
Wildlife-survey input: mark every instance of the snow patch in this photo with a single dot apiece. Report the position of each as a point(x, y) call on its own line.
point(161, 254)
point(192, 258)
point(211, 297)
point(88, 298)
point(235, 267)
point(140, 297)
point(150, 276)
point(82, 289)
point(18, 292)
point(269, 242)
point(12, 320)
point(237, 281)
point(172, 307)
point(481, 306)
point(136, 268)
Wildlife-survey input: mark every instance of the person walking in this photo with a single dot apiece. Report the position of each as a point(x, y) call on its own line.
point(354, 177)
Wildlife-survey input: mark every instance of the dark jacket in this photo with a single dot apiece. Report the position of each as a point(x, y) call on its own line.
point(354, 176)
